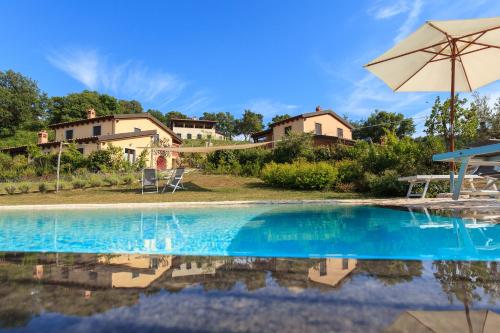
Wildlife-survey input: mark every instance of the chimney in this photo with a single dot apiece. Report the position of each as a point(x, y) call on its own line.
point(43, 137)
point(90, 113)
point(318, 108)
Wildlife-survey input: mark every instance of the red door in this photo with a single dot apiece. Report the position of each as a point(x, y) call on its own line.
point(161, 163)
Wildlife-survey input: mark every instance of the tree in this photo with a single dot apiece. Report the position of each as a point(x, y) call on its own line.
point(22, 104)
point(468, 282)
point(466, 120)
point(132, 106)
point(249, 123)
point(74, 106)
point(226, 124)
point(158, 115)
point(488, 117)
point(279, 117)
point(380, 123)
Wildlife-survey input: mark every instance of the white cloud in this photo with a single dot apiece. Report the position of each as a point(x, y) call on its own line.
point(411, 20)
point(196, 104)
point(80, 65)
point(385, 12)
point(129, 79)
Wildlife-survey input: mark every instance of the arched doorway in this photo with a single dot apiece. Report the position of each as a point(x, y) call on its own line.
point(161, 163)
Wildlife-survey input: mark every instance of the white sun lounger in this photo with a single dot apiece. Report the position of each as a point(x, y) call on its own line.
point(426, 179)
point(488, 155)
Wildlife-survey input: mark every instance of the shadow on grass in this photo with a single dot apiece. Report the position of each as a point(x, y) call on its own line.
point(189, 186)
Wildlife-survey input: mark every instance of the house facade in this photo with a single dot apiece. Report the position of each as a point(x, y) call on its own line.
point(130, 132)
point(195, 129)
point(326, 126)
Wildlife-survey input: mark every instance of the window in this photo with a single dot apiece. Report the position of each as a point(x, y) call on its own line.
point(69, 134)
point(345, 264)
point(96, 130)
point(288, 129)
point(340, 133)
point(179, 135)
point(135, 275)
point(189, 136)
point(129, 155)
point(156, 138)
point(322, 268)
point(137, 129)
point(318, 129)
point(80, 150)
point(92, 276)
point(198, 136)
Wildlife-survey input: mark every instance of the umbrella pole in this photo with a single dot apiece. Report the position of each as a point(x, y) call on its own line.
point(452, 114)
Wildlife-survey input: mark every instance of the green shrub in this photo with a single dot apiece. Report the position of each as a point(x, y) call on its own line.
point(24, 187)
point(99, 160)
point(79, 183)
point(128, 179)
point(95, 181)
point(43, 187)
point(386, 184)
point(64, 185)
point(349, 171)
point(345, 187)
point(10, 189)
point(111, 180)
point(294, 146)
point(300, 175)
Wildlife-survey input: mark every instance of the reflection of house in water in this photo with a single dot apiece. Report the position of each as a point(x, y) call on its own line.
point(331, 271)
point(195, 268)
point(116, 271)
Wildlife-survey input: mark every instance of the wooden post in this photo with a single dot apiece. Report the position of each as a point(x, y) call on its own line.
point(58, 165)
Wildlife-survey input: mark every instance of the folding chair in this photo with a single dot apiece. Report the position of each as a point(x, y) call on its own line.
point(175, 181)
point(149, 180)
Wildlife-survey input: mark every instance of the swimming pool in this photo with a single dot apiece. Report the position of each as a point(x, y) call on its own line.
point(301, 231)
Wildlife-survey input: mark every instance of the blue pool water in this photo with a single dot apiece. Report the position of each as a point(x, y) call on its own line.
point(302, 231)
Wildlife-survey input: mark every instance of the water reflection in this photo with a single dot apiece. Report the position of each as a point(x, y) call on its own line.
point(319, 231)
point(134, 292)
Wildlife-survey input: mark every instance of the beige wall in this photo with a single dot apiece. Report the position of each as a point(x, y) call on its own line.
point(335, 271)
point(184, 131)
point(279, 130)
point(144, 124)
point(85, 130)
point(329, 125)
point(135, 143)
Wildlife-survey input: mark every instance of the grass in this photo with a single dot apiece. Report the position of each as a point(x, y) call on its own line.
point(199, 188)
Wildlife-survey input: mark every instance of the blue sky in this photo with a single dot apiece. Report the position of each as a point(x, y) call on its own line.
point(273, 57)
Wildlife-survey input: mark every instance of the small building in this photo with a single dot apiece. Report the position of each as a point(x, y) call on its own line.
point(326, 126)
point(195, 129)
point(130, 132)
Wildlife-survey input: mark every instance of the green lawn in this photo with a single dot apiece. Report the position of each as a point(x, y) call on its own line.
point(199, 188)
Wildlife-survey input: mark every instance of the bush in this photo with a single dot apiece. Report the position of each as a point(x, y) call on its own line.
point(79, 183)
point(345, 187)
point(300, 175)
point(43, 187)
point(99, 160)
point(386, 184)
point(349, 171)
point(294, 146)
point(95, 181)
point(10, 189)
point(24, 187)
point(111, 180)
point(128, 179)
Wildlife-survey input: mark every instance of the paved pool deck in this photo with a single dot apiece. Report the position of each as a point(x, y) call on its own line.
point(468, 207)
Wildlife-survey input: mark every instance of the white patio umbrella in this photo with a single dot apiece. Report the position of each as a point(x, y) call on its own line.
point(455, 56)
